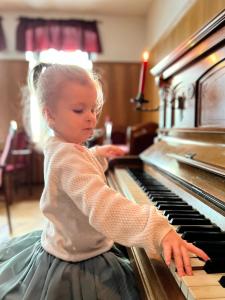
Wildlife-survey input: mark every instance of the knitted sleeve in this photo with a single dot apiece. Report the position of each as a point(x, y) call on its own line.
point(103, 161)
point(108, 211)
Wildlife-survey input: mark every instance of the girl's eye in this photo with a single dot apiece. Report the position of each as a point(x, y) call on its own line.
point(78, 111)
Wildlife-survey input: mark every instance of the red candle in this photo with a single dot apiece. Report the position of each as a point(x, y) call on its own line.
point(144, 66)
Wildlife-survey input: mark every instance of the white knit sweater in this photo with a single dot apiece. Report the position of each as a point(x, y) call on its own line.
point(84, 215)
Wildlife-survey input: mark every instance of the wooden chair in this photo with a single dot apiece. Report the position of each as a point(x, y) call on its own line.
point(20, 161)
point(140, 136)
point(118, 136)
point(5, 179)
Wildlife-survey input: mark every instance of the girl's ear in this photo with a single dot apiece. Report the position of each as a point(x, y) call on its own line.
point(48, 116)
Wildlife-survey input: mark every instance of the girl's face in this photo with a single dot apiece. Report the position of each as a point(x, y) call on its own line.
point(73, 118)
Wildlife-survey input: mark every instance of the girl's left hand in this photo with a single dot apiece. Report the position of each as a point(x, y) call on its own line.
point(110, 151)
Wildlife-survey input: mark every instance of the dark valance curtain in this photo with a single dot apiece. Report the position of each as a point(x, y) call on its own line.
point(2, 37)
point(68, 35)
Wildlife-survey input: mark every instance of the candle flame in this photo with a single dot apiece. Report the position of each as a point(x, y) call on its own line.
point(145, 55)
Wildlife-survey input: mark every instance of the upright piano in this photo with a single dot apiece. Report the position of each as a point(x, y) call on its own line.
point(183, 172)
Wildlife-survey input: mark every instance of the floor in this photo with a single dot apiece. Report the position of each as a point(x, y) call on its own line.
point(25, 214)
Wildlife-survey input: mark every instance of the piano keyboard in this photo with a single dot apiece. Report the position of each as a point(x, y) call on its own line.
point(206, 283)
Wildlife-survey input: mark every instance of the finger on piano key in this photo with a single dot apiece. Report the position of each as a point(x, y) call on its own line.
point(196, 264)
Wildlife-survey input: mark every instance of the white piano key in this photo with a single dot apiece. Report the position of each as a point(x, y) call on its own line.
point(197, 264)
point(199, 280)
point(206, 292)
point(214, 298)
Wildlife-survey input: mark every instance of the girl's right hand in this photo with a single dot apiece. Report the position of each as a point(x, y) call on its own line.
point(110, 151)
point(175, 247)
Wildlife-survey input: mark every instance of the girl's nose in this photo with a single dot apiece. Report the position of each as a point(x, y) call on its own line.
point(91, 117)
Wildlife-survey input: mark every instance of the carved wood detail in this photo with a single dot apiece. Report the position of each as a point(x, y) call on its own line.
point(211, 109)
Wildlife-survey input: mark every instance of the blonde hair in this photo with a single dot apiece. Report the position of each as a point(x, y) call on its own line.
point(45, 82)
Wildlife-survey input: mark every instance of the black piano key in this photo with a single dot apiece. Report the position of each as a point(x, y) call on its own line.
point(160, 203)
point(222, 281)
point(184, 213)
point(163, 198)
point(183, 228)
point(192, 236)
point(168, 192)
point(149, 182)
point(155, 195)
point(169, 211)
point(152, 183)
point(216, 265)
point(171, 200)
point(156, 190)
point(214, 249)
point(162, 195)
point(166, 200)
point(186, 221)
point(174, 207)
point(189, 216)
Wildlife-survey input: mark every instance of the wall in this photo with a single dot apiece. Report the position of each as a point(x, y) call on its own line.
point(12, 78)
point(201, 12)
point(114, 31)
point(124, 38)
point(120, 84)
point(163, 16)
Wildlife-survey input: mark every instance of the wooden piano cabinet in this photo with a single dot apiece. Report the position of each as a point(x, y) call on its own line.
point(187, 158)
point(191, 80)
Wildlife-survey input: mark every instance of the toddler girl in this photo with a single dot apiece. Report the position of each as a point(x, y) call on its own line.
point(74, 257)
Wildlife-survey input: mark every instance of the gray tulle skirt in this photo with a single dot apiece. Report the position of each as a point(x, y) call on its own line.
point(28, 272)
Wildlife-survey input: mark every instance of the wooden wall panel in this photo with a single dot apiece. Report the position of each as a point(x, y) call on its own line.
point(120, 84)
point(198, 15)
point(13, 77)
